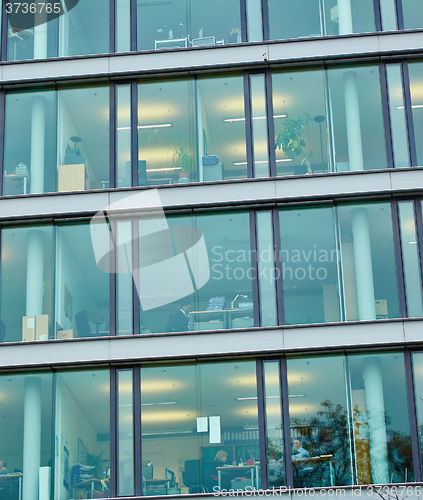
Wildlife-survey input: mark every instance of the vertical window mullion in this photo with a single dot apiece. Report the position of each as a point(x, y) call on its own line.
point(134, 132)
point(398, 259)
point(265, 18)
point(409, 113)
point(137, 431)
point(112, 136)
point(248, 126)
point(243, 11)
point(386, 116)
point(112, 282)
point(278, 266)
point(135, 277)
point(377, 12)
point(409, 380)
point(270, 124)
point(254, 268)
point(400, 14)
point(112, 26)
point(113, 432)
point(262, 424)
point(283, 371)
point(2, 134)
point(419, 231)
point(4, 31)
point(133, 14)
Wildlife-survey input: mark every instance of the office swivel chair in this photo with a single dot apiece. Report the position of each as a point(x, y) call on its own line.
point(192, 476)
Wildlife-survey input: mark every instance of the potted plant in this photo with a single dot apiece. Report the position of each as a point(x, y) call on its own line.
point(291, 142)
point(182, 159)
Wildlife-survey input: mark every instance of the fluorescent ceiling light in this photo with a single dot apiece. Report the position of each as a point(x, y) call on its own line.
point(165, 433)
point(249, 398)
point(414, 106)
point(261, 161)
point(159, 125)
point(162, 169)
point(174, 402)
point(231, 120)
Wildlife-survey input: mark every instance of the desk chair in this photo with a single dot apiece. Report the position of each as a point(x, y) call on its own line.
point(192, 476)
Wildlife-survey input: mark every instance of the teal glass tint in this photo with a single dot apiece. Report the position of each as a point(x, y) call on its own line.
point(29, 143)
point(259, 126)
point(305, 18)
point(124, 278)
point(319, 419)
point(388, 14)
point(82, 290)
point(397, 115)
point(418, 391)
point(26, 433)
point(309, 262)
point(368, 261)
point(187, 24)
point(26, 284)
point(300, 121)
point(123, 26)
point(123, 136)
point(40, 42)
point(267, 270)
point(125, 422)
point(254, 20)
point(381, 426)
point(82, 434)
point(357, 120)
point(197, 420)
point(83, 138)
point(410, 258)
point(416, 76)
point(214, 291)
point(412, 11)
point(274, 427)
point(220, 122)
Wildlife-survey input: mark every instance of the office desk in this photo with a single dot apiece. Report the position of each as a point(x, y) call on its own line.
point(240, 469)
point(8, 479)
point(221, 319)
point(89, 485)
point(316, 460)
point(8, 178)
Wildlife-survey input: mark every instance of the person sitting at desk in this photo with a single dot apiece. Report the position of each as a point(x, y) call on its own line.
point(299, 451)
point(181, 319)
point(219, 461)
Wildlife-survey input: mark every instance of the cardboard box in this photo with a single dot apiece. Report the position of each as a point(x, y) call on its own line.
point(71, 177)
point(35, 328)
point(65, 334)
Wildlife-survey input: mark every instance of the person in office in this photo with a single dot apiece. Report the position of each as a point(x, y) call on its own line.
point(220, 461)
point(299, 452)
point(181, 319)
point(3, 468)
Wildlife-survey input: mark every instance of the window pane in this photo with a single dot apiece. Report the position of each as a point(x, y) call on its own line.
point(308, 19)
point(368, 261)
point(26, 284)
point(125, 419)
point(319, 422)
point(186, 24)
point(259, 126)
point(30, 138)
point(40, 42)
point(124, 279)
point(418, 391)
point(254, 20)
point(410, 259)
point(221, 128)
point(165, 140)
point(300, 122)
point(83, 138)
point(123, 139)
point(25, 433)
point(123, 26)
point(218, 249)
point(82, 429)
point(381, 426)
point(416, 77)
point(274, 429)
point(412, 14)
point(82, 290)
point(309, 261)
point(359, 141)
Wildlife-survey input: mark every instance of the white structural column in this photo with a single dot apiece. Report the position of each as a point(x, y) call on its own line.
point(352, 119)
point(363, 264)
point(376, 419)
point(38, 130)
point(345, 17)
point(32, 438)
point(35, 273)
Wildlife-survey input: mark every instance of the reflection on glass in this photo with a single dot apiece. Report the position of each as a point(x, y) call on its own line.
point(416, 77)
point(412, 14)
point(356, 105)
point(124, 294)
point(319, 422)
point(266, 269)
point(126, 433)
point(397, 115)
point(123, 26)
point(418, 391)
point(123, 133)
point(410, 259)
point(309, 19)
point(40, 42)
point(388, 12)
point(203, 418)
point(259, 126)
point(26, 284)
point(217, 249)
point(82, 290)
point(188, 24)
point(30, 138)
point(82, 429)
point(25, 433)
point(300, 122)
point(274, 435)
point(382, 439)
point(254, 20)
point(83, 138)
point(368, 261)
point(309, 260)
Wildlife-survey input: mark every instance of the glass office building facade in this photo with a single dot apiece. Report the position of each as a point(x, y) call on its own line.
point(211, 248)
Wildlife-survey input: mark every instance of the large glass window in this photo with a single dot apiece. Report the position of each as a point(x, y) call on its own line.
point(305, 18)
point(188, 24)
point(199, 428)
point(26, 284)
point(82, 434)
point(416, 76)
point(412, 14)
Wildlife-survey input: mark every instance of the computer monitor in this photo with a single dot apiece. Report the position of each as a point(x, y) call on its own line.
point(147, 471)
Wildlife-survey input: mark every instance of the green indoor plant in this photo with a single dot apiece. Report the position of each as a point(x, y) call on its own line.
point(182, 158)
point(290, 140)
